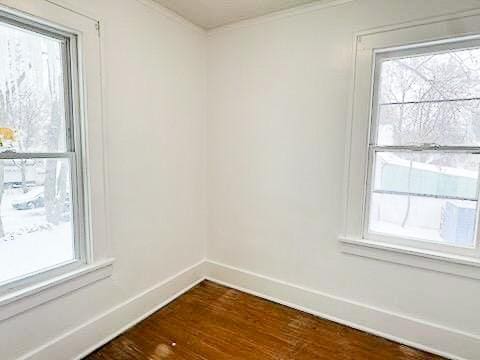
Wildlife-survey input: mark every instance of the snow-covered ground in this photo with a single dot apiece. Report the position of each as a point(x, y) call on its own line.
point(31, 243)
point(413, 232)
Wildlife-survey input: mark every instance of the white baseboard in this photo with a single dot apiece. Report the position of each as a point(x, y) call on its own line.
point(84, 339)
point(420, 334)
point(434, 338)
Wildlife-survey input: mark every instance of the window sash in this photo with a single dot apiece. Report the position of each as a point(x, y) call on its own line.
point(413, 242)
point(79, 237)
point(381, 55)
point(70, 63)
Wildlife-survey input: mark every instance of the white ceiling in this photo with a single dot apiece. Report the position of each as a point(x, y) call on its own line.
point(210, 14)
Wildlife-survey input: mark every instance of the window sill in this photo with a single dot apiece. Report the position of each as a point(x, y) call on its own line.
point(425, 259)
point(22, 300)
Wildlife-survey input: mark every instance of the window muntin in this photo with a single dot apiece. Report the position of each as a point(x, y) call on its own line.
point(41, 187)
point(425, 145)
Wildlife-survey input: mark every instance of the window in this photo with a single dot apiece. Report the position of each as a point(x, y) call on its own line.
point(413, 148)
point(53, 209)
point(424, 150)
point(42, 228)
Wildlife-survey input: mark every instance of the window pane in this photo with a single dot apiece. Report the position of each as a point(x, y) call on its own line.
point(36, 227)
point(445, 123)
point(427, 196)
point(32, 109)
point(450, 222)
point(415, 99)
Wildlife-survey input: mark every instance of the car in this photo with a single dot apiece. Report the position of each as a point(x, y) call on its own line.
point(35, 199)
point(31, 200)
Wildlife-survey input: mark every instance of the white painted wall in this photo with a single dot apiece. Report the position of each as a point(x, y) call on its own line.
point(155, 81)
point(278, 103)
point(278, 100)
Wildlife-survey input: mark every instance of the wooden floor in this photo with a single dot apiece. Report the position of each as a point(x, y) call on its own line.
point(214, 322)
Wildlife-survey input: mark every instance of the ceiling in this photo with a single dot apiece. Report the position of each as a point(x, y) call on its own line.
point(210, 14)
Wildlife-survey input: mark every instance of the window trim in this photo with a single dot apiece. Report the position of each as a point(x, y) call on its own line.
point(98, 253)
point(438, 31)
point(53, 287)
point(425, 259)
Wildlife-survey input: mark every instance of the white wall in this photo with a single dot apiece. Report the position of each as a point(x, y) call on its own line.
point(278, 100)
point(155, 81)
point(278, 103)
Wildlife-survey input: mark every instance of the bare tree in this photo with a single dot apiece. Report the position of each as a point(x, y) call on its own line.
point(31, 103)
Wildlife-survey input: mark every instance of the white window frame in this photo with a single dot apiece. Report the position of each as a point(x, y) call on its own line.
point(73, 153)
point(93, 258)
point(369, 47)
point(379, 56)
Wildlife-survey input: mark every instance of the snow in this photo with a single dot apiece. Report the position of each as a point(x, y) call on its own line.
point(412, 232)
point(31, 244)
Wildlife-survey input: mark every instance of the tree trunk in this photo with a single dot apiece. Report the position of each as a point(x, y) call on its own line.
point(51, 191)
point(407, 212)
point(2, 178)
point(23, 170)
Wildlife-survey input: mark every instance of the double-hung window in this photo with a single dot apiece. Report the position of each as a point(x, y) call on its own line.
point(42, 230)
point(424, 149)
point(413, 163)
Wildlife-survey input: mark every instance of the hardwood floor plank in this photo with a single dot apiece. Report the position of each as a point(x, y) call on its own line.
point(215, 322)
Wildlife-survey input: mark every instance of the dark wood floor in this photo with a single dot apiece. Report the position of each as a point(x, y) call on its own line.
point(214, 322)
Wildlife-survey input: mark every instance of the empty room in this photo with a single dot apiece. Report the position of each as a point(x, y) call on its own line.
point(239, 179)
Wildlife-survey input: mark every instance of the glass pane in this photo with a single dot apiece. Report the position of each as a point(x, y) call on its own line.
point(444, 123)
point(415, 99)
point(32, 107)
point(451, 222)
point(426, 196)
point(36, 226)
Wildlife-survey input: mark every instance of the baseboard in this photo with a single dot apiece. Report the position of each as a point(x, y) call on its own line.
point(84, 339)
point(420, 334)
point(434, 338)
